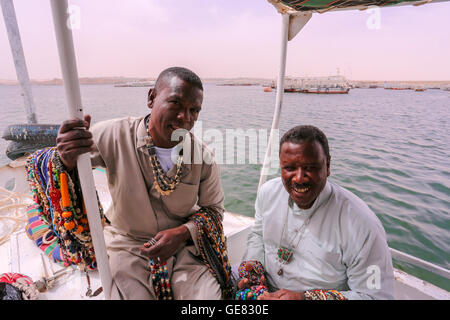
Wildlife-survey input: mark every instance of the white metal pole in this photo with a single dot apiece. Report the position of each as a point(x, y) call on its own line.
point(72, 88)
point(12, 28)
point(279, 98)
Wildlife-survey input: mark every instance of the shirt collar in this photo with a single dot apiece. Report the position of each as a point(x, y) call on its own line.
point(141, 133)
point(323, 197)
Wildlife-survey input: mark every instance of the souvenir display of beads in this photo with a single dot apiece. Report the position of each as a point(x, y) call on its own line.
point(160, 280)
point(254, 271)
point(58, 222)
point(213, 248)
point(317, 294)
point(164, 185)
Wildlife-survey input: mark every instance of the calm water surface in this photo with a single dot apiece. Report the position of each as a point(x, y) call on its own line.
point(391, 148)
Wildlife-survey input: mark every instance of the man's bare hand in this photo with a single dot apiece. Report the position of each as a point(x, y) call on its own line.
point(282, 294)
point(167, 243)
point(74, 138)
point(244, 284)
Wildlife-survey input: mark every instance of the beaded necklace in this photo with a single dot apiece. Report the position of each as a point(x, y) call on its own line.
point(164, 184)
point(213, 247)
point(318, 294)
point(285, 253)
point(160, 280)
point(252, 270)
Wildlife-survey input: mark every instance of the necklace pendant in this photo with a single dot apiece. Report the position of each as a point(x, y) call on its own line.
point(284, 254)
point(280, 272)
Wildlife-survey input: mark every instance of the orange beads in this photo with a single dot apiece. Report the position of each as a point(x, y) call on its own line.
point(67, 214)
point(65, 200)
point(69, 225)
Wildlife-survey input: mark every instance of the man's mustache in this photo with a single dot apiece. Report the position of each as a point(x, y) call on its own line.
point(301, 186)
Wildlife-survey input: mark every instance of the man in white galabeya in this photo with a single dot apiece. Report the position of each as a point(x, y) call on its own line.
point(315, 239)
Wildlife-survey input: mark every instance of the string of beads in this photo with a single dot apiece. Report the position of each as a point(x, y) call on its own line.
point(160, 280)
point(318, 294)
point(213, 247)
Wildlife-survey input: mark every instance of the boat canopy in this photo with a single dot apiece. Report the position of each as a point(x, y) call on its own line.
point(292, 6)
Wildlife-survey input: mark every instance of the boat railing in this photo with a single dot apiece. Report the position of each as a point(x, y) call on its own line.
point(435, 269)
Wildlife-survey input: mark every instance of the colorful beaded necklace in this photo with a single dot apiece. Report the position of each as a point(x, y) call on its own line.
point(164, 185)
point(318, 294)
point(160, 280)
point(213, 247)
point(285, 253)
point(252, 270)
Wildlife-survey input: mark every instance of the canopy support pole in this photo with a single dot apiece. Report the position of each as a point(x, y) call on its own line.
point(12, 28)
point(290, 27)
point(279, 98)
point(72, 89)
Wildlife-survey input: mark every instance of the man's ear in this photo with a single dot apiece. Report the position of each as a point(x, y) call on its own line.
point(150, 97)
point(328, 167)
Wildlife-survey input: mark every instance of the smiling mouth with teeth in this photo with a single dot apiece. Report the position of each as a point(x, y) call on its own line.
point(301, 189)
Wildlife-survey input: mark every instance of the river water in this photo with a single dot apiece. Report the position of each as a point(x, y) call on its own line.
point(391, 148)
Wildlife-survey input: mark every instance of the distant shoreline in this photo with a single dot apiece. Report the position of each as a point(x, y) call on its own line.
point(224, 81)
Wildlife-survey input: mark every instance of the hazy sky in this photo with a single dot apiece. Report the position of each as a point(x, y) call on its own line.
point(234, 38)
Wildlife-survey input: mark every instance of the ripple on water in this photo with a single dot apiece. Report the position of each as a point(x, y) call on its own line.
point(440, 188)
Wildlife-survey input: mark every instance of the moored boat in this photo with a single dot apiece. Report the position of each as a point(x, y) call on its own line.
point(291, 90)
point(136, 84)
point(326, 90)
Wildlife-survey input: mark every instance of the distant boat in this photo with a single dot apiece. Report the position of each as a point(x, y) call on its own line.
point(267, 89)
point(326, 90)
point(396, 88)
point(419, 89)
point(237, 83)
point(136, 84)
point(336, 84)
